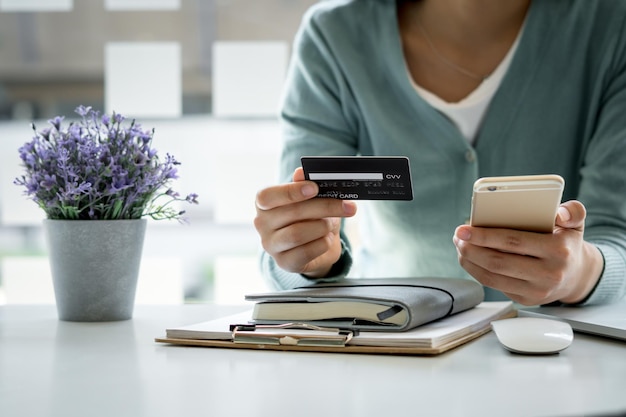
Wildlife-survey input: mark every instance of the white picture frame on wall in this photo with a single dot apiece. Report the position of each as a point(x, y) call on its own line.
point(248, 77)
point(135, 5)
point(143, 79)
point(36, 5)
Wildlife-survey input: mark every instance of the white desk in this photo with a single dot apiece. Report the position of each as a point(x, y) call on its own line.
point(54, 368)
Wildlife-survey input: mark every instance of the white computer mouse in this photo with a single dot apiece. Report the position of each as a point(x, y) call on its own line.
point(533, 335)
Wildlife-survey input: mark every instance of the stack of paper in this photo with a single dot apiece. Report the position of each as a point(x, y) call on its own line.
point(432, 338)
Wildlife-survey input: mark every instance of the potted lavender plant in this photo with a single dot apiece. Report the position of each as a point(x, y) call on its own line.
point(97, 180)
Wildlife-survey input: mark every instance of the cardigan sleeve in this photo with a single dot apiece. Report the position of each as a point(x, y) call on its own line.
point(603, 185)
point(279, 279)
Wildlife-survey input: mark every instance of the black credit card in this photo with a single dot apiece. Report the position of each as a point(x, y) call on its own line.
point(360, 177)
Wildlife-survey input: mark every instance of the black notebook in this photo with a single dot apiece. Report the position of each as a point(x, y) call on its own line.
point(389, 304)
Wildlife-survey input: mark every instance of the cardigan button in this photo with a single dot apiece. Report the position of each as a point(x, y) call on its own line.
point(470, 156)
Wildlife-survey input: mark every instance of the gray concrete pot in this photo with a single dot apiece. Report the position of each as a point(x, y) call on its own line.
point(95, 266)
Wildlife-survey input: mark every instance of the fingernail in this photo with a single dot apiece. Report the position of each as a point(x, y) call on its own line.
point(464, 234)
point(564, 214)
point(349, 208)
point(308, 190)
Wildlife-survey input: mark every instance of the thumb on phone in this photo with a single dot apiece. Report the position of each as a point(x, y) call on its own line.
point(571, 215)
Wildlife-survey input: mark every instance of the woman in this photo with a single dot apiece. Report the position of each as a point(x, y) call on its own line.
point(465, 89)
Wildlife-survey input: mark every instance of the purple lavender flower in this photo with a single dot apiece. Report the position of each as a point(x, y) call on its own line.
point(56, 122)
point(48, 182)
point(118, 118)
point(99, 169)
point(82, 110)
point(192, 198)
point(171, 193)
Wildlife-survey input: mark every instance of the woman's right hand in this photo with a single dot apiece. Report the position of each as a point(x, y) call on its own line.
point(299, 231)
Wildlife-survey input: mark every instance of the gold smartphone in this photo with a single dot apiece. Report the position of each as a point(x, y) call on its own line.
point(526, 202)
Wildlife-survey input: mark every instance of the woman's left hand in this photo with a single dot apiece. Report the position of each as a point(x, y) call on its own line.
point(534, 268)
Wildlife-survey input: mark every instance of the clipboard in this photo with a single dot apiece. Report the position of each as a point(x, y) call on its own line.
point(454, 331)
point(415, 351)
point(290, 334)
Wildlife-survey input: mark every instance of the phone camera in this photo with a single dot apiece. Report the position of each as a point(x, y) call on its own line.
point(492, 188)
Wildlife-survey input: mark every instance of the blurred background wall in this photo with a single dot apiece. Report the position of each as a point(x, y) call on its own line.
point(206, 74)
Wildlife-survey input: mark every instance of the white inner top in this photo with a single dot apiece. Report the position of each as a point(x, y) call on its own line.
point(468, 113)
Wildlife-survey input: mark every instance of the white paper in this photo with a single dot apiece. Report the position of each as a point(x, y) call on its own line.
point(429, 335)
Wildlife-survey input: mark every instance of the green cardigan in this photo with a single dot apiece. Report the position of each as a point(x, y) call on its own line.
point(561, 108)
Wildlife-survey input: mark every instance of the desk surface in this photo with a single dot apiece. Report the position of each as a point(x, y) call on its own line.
point(54, 368)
